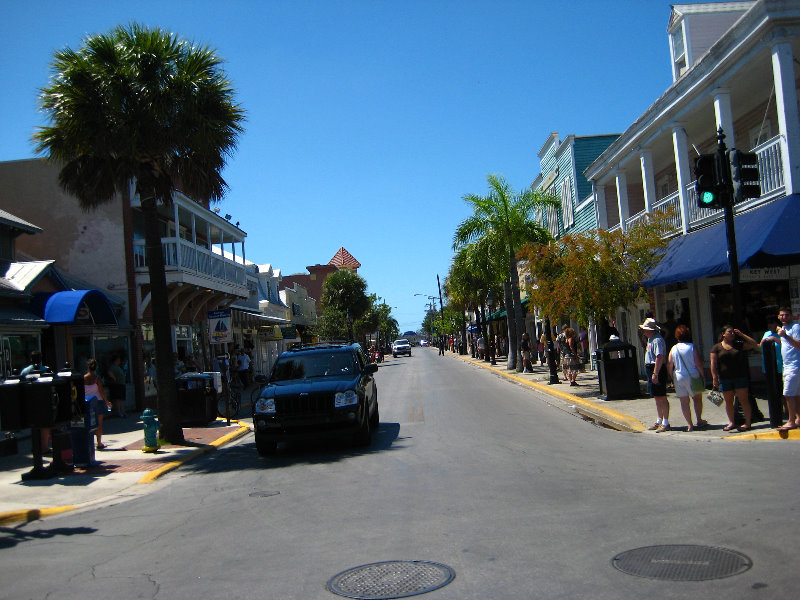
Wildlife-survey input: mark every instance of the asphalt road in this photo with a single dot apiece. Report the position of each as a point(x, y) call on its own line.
point(516, 495)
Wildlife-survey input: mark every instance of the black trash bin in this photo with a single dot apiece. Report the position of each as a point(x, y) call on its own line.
point(82, 430)
point(12, 415)
point(618, 371)
point(197, 401)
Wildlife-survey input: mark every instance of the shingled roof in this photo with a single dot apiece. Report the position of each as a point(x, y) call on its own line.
point(344, 260)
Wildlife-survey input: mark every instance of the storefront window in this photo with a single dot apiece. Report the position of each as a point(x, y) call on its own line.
point(106, 346)
point(19, 348)
point(760, 299)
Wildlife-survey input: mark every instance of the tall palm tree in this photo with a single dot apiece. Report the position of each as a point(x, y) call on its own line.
point(144, 107)
point(509, 217)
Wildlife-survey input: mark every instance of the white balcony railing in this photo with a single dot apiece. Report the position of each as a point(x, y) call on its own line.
point(181, 255)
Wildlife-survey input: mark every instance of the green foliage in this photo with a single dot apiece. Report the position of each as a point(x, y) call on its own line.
point(346, 292)
point(589, 275)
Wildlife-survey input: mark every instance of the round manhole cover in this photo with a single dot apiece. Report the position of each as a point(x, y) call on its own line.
point(682, 563)
point(391, 579)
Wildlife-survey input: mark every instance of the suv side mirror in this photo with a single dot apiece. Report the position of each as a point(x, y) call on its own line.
point(371, 368)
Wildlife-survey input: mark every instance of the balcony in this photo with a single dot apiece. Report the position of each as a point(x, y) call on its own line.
point(772, 186)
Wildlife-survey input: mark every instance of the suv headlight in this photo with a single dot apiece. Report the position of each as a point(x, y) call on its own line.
point(265, 405)
point(347, 398)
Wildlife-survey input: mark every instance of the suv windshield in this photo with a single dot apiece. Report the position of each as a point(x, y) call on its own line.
point(320, 364)
point(401, 342)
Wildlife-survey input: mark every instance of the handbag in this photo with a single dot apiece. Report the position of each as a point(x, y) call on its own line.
point(698, 384)
point(715, 397)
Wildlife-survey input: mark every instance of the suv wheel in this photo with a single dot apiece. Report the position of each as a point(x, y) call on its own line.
point(375, 419)
point(265, 447)
point(363, 437)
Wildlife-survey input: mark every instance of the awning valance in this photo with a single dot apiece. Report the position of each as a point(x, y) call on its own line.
point(765, 237)
point(63, 308)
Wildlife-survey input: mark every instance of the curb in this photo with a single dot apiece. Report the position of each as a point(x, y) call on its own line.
point(608, 416)
point(17, 516)
point(793, 434)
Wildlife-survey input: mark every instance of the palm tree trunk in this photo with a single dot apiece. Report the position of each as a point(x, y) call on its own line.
point(519, 316)
point(511, 363)
point(169, 418)
point(136, 357)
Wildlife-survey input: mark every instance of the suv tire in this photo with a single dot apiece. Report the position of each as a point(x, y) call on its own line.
point(363, 437)
point(265, 447)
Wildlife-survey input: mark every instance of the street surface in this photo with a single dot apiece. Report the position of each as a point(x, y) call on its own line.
point(503, 484)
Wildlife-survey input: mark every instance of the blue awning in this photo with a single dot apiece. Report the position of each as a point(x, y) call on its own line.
point(62, 308)
point(765, 237)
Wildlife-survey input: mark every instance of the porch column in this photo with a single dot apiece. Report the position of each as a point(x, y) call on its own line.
point(648, 179)
point(600, 205)
point(724, 116)
point(788, 117)
point(177, 234)
point(622, 197)
point(680, 145)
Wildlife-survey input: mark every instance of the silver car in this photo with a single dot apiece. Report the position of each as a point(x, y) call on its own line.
point(401, 347)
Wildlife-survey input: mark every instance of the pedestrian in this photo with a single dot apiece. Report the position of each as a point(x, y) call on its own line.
point(116, 385)
point(244, 367)
point(655, 365)
point(570, 356)
point(441, 345)
point(525, 349)
point(729, 372)
point(178, 365)
point(481, 347)
point(789, 333)
point(561, 344)
point(543, 348)
point(685, 364)
point(92, 386)
point(771, 337)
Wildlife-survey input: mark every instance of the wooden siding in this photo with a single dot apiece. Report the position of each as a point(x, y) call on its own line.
point(587, 149)
point(704, 30)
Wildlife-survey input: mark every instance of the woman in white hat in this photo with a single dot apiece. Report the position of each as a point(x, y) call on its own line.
point(655, 364)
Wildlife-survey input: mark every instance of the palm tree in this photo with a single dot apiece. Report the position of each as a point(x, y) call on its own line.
point(508, 217)
point(144, 107)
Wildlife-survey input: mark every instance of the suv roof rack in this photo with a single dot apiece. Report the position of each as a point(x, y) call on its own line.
point(321, 345)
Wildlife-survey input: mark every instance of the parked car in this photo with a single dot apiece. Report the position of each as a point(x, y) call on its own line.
point(401, 347)
point(316, 391)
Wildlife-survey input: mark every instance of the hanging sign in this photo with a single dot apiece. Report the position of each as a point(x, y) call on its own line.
point(219, 326)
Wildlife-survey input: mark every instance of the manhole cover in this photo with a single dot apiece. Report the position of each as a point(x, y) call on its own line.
point(391, 579)
point(263, 494)
point(682, 563)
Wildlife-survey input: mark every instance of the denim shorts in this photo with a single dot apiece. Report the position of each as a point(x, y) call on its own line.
point(729, 385)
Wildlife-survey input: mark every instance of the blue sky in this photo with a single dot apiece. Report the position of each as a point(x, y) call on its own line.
point(367, 121)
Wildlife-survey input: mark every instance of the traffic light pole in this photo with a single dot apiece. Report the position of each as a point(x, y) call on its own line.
point(724, 181)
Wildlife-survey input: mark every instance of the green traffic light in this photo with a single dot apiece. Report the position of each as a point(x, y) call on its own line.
point(708, 198)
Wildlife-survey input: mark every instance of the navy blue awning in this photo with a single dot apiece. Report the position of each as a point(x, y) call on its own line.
point(765, 237)
point(62, 307)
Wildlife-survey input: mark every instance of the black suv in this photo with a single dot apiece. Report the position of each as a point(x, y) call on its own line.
point(314, 391)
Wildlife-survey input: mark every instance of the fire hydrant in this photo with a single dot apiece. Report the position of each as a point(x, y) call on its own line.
point(150, 431)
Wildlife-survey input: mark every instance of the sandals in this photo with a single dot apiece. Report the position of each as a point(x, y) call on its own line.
point(744, 428)
point(702, 424)
point(729, 427)
point(101, 446)
point(788, 427)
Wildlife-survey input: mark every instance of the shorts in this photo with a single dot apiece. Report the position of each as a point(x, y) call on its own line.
point(660, 388)
point(683, 387)
point(526, 355)
point(729, 385)
point(791, 382)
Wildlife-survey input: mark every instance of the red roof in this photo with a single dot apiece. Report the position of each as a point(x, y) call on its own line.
point(343, 259)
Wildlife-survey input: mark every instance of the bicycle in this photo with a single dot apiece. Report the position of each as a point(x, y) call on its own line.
point(233, 390)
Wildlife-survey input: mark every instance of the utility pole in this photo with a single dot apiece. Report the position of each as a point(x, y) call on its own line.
point(726, 185)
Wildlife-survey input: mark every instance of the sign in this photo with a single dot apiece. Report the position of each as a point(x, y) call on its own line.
point(219, 326)
point(271, 333)
point(765, 274)
point(289, 333)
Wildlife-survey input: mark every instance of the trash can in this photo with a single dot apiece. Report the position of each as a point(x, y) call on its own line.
point(197, 398)
point(12, 415)
point(618, 371)
point(82, 429)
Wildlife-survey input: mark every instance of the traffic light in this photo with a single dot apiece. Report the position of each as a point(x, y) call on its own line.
point(709, 193)
point(745, 175)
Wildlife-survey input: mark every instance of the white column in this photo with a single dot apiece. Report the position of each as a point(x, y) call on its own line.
point(680, 146)
point(648, 179)
point(622, 197)
point(601, 211)
point(724, 116)
point(788, 116)
point(177, 237)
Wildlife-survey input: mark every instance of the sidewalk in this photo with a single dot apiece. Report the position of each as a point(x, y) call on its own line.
point(120, 467)
point(633, 415)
